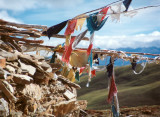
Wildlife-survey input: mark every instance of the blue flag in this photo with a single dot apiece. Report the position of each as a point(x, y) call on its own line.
point(127, 4)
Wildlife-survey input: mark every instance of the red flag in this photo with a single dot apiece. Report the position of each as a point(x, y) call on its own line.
point(71, 26)
point(93, 72)
point(112, 90)
point(81, 70)
point(89, 49)
point(65, 49)
point(68, 51)
point(104, 11)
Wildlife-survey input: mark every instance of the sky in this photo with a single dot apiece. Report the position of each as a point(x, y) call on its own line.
point(142, 30)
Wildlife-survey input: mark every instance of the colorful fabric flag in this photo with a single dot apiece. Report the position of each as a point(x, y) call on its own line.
point(115, 106)
point(115, 113)
point(90, 59)
point(93, 72)
point(112, 90)
point(68, 38)
point(110, 68)
point(77, 76)
point(56, 28)
point(91, 44)
point(81, 70)
point(92, 23)
point(134, 64)
point(68, 51)
point(78, 39)
point(71, 26)
point(127, 4)
point(115, 10)
point(71, 75)
point(89, 49)
point(95, 56)
point(131, 13)
point(80, 21)
point(103, 13)
point(79, 58)
point(97, 61)
point(53, 57)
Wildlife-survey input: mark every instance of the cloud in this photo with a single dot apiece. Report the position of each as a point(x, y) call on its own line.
point(114, 42)
point(124, 41)
point(5, 16)
point(22, 5)
point(17, 5)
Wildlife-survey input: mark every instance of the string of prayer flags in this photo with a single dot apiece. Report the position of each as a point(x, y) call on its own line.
point(78, 39)
point(56, 28)
point(127, 4)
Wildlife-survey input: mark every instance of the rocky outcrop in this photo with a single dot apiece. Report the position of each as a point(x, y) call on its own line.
point(29, 86)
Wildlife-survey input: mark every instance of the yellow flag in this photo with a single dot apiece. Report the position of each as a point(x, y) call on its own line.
point(80, 22)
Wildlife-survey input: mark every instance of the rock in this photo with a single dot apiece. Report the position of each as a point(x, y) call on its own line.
point(66, 81)
point(45, 66)
point(22, 79)
point(69, 95)
point(63, 108)
point(31, 70)
point(37, 57)
point(4, 110)
point(8, 86)
point(2, 62)
point(39, 75)
point(33, 90)
point(8, 55)
point(10, 69)
point(52, 102)
point(14, 113)
point(3, 74)
point(82, 104)
point(49, 69)
point(7, 93)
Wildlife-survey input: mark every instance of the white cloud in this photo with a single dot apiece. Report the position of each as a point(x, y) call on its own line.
point(123, 41)
point(21, 5)
point(5, 16)
point(17, 5)
point(114, 42)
